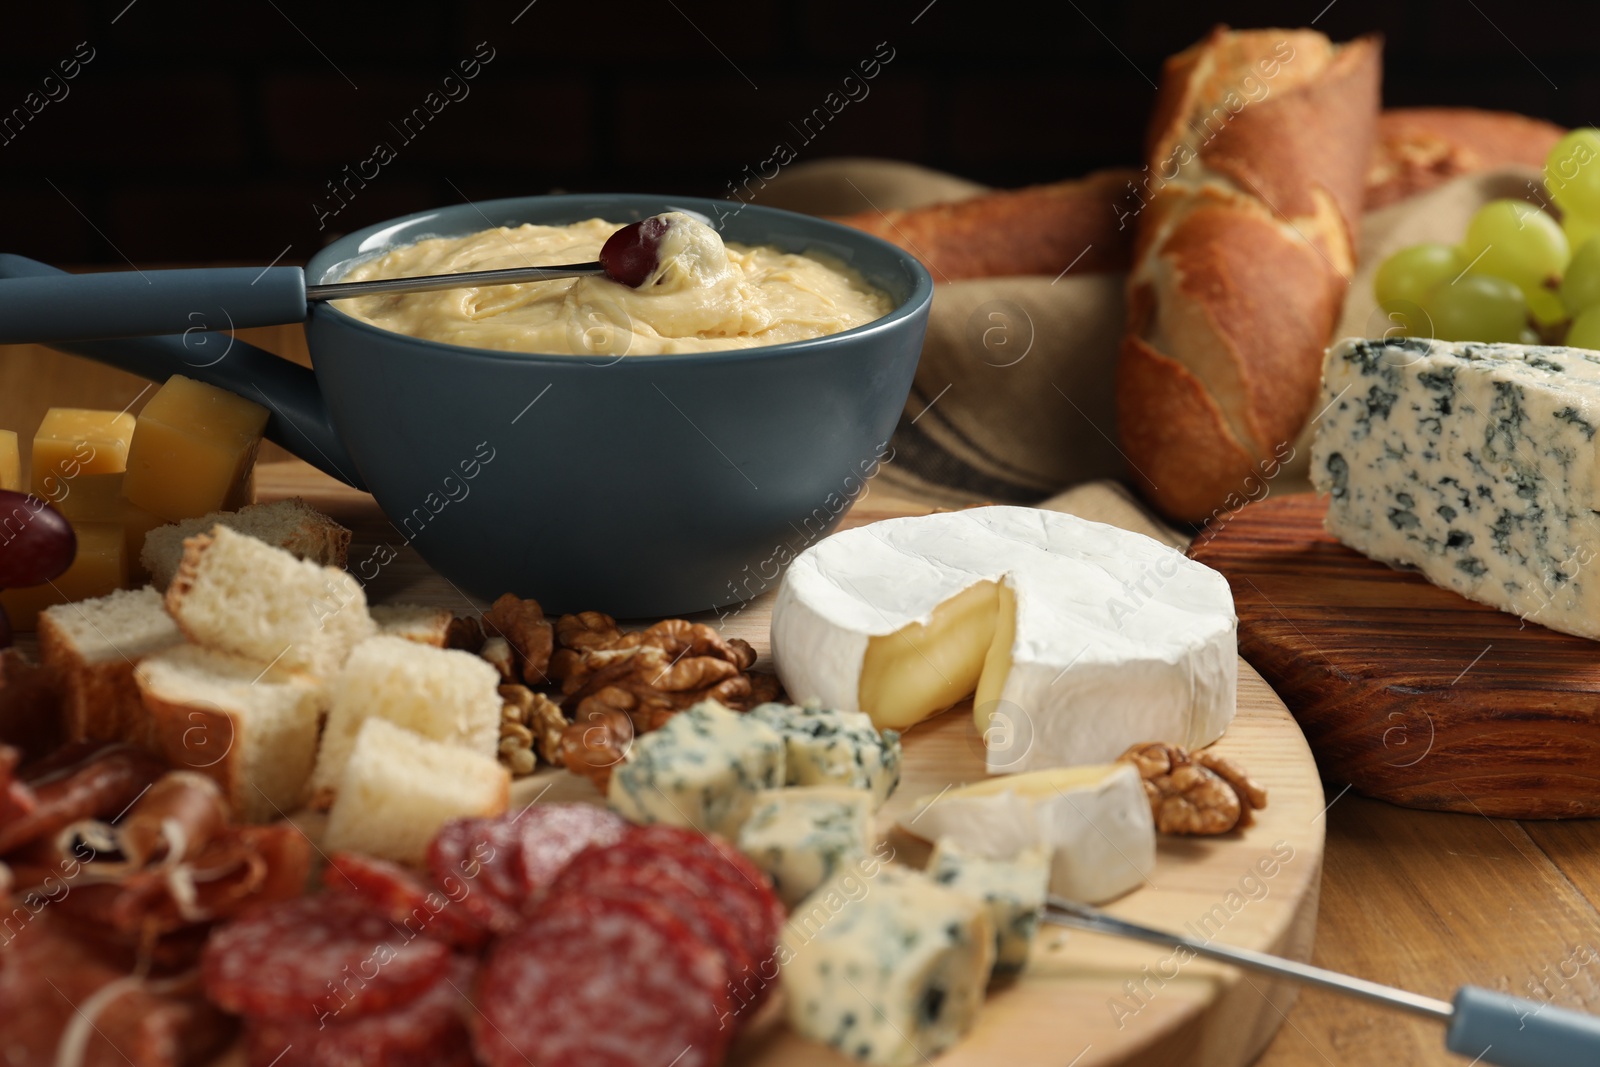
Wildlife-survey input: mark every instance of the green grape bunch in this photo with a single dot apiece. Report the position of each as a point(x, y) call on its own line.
point(1520, 274)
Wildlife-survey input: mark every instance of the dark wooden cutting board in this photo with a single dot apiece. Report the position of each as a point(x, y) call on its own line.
point(1409, 692)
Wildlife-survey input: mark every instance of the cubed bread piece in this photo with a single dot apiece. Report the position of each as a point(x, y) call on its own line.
point(805, 835)
point(236, 594)
point(450, 697)
point(95, 645)
point(250, 727)
point(291, 524)
point(1012, 889)
point(702, 770)
point(886, 965)
point(398, 788)
point(414, 622)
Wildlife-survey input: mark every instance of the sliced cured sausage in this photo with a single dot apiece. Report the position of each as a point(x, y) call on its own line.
point(324, 958)
point(602, 983)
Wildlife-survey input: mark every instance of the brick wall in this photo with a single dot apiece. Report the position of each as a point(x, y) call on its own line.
point(203, 132)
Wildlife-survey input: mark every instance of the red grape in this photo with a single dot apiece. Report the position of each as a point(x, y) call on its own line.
point(36, 543)
point(633, 253)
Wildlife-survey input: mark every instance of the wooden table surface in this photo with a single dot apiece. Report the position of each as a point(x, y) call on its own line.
point(1424, 900)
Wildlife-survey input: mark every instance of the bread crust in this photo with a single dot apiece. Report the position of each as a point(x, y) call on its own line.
point(183, 581)
point(1174, 433)
point(1242, 258)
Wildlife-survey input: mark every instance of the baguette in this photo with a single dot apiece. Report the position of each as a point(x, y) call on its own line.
point(1257, 158)
point(1043, 229)
point(1422, 147)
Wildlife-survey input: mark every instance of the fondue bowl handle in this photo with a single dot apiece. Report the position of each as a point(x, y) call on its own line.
point(299, 418)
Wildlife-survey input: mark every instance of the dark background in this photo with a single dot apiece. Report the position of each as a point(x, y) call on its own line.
point(210, 132)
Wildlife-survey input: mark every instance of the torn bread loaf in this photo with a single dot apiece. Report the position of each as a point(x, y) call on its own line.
point(95, 645)
point(249, 727)
point(291, 524)
point(447, 696)
point(1247, 218)
point(398, 787)
point(236, 594)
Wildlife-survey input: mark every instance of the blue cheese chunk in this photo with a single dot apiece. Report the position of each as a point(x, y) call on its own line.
point(701, 770)
point(888, 967)
point(804, 836)
point(1012, 889)
point(1475, 464)
point(828, 747)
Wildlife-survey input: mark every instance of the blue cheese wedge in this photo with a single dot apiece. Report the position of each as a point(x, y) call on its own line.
point(1012, 889)
point(701, 770)
point(829, 747)
point(1475, 464)
point(888, 967)
point(804, 836)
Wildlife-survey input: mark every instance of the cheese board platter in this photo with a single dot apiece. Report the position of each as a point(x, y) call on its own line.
point(1083, 995)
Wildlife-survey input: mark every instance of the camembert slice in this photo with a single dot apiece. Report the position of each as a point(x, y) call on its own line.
point(1094, 821)
point(1076, 639)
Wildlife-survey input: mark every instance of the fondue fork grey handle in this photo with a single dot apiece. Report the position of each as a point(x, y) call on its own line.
point(1481, 1024)
point(89, 307)
point(299, 419)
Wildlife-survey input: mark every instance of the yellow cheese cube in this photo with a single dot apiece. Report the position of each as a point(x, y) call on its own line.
point(100, 567)
point(194, 450)
point(98, 498)
point(10, 462)
point(74, 441)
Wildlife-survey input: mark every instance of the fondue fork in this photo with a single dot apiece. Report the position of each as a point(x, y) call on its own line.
point(1494, 1027)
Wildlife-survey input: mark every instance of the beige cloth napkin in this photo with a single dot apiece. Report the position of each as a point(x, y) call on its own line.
point(1014, 398)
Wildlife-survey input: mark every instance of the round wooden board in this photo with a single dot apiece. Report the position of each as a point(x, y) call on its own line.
point(1086, 1000)
point(1411, 693)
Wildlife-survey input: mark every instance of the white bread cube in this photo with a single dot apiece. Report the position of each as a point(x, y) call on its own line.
point(292, 525)
point(399, 787)
point(95, 644)
point(414, 622)
point(447, 696)
point(249, 727)
point(235, 594)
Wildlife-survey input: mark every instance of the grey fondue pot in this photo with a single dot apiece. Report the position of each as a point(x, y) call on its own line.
point(638, 486)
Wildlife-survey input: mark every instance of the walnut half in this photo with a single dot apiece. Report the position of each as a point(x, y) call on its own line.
point(1195, 794)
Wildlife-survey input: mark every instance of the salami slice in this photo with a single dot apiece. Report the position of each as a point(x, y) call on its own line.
point(743, 881)
point(430, 1031)
point(554, 833)
point(602, 983)
point(477, 862)
point(405, 900)
point(694, 894)
point(321, 958)
point(495, 867)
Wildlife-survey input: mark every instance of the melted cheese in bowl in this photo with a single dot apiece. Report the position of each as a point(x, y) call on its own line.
point(703, 296)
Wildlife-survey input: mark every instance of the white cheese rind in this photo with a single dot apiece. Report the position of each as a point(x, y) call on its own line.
point(803, 836)
point(702, 770)
point(1119, 638)
point(1475, 464)
point(888, 967)
point(829, 747)
point(1100, 835)
point(1012, 889)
